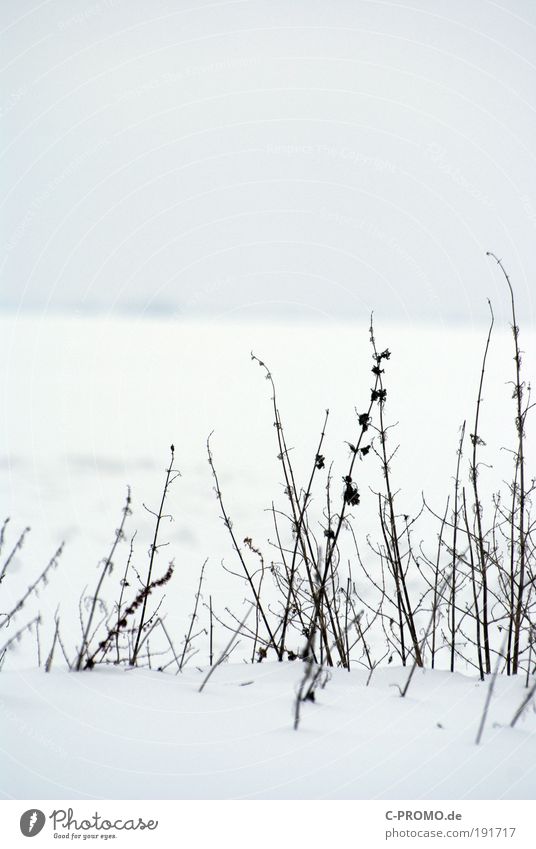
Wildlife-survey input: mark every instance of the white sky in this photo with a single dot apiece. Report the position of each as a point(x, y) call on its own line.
point(300, 158)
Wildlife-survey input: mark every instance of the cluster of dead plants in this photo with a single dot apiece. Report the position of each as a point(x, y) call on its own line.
point(132, 632)
point(121, 634)
point(466, 598)
point(9, 618)
point(463, 595)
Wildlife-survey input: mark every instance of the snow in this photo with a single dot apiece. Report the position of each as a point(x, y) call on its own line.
point(144, 734)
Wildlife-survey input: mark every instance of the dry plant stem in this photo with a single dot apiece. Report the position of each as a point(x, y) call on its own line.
point(249, 543)
point(227, 648)
point(124, 584)
point(455, 554)
point(332, 543)
point(84, 648)
point(308, 653)
point(106, 644)
point(474, 586)
point(302, 542)
point(361, 638)
point(524, 704)
point(489, 694)
point(306, 678)
point(431, 623)
point(283, 456)
point(292, 572)
point(346, 626)
point(512, 594)
point(520, 423)
point(42, 579)
point(529, 662)
point(437, 596)
point(171, 475)
point(306, 544)
point(17, 636)
point(172, 647)
point(3, 533)
point(38, 643)
point(50, 658)
point(228, 525)
point(395, 573)
point(395, 557)
point(309, 548)
point(211, 634)
point(64, 653)
point(247, 632)
point(151, 622)
point(479, 536)
point(18, 545)
point(313, 671)
point(193, 618)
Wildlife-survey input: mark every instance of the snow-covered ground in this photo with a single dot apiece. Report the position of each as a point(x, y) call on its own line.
point(141, 734)
point(90, 405)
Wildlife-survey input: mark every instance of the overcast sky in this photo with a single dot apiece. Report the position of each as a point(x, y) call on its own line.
point(300, 158)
